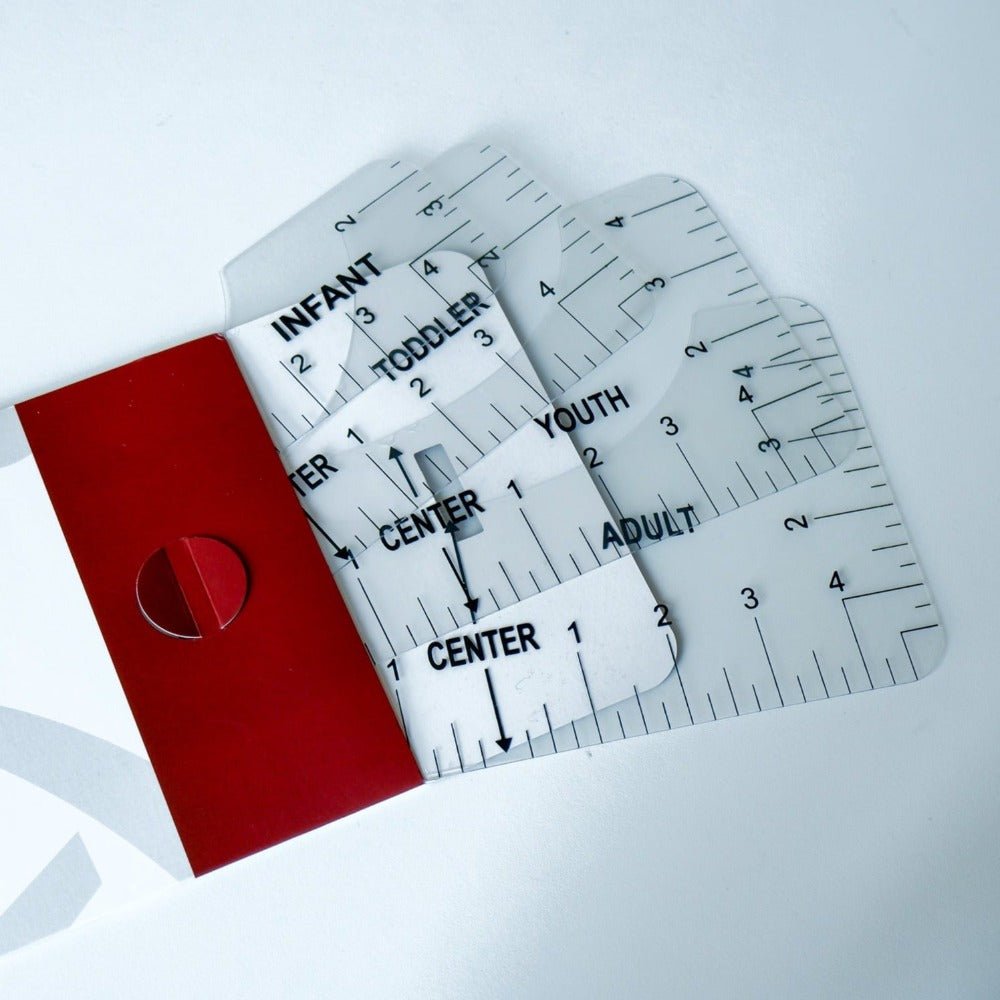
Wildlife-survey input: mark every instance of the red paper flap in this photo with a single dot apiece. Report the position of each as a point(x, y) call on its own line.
point(276, 723)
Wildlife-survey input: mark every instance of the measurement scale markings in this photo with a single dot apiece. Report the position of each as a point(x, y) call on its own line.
point(642, 714)
point(349, 375)
point(391, 480)
point(776, 451)
point(535, 224)
point(770, 665)
point(375, 613)
point(431, 249)
point(539, 544)
point(576, 319)
point(540, 395)
point(434, 631)
point(725, 673)
point(591, 547)
point(815, 437)
point(567, 364)
point(509, 581)
point(388, 190)
point(458, 749)
point(361, 328)
point(283, 427)
point(459, 429)
point(856, 510)
point(784, 354)
point(664, 204)
point(864, 662)
point(548, 722)
point(680, 682)
point(756, 495)
point(743, 329)
point(402, 716)
point(795, 392)
point(312, 395)
point(798, 361)
point(700, 483)
point(902, 636)
point(706, 263)
point(593, 711)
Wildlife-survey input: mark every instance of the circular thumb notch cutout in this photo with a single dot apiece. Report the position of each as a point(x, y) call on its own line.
point(192, 588)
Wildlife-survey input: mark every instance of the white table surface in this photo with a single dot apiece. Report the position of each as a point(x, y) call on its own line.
point(848, 848)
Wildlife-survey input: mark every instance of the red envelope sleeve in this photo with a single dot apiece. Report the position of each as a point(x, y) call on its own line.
point(277, 723)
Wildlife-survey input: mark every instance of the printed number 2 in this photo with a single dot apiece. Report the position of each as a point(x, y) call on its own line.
point(418, 384)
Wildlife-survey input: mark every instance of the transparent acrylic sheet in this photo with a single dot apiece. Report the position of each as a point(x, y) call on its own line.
point(307, 251)
point(571, 293)
point(807, 594)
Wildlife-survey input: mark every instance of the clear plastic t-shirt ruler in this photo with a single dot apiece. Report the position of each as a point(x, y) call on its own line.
point(305, 359)
point(807, 594)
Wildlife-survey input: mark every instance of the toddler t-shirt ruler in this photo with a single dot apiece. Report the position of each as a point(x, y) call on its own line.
point(808, 594)
point(305, 360)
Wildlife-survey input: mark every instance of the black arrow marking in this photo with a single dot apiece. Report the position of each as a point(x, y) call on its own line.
point(458, 568)
point(504, 741)
point(341, 551)
point(396, 456)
